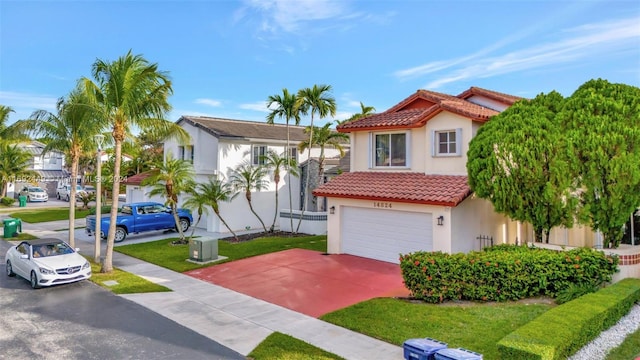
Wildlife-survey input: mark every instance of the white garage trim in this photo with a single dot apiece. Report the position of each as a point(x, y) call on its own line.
point(384, 234)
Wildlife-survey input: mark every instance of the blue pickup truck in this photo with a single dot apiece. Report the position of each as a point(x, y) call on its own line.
point(138, 218)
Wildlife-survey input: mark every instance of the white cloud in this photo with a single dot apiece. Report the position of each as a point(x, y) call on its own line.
point(290, 15)
point(576, 44)
point(25, 100)
point(256, 106)
point(209, 102)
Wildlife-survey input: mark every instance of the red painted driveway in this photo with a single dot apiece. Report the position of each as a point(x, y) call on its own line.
point(308, 281)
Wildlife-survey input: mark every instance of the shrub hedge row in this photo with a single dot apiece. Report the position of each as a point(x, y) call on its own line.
point(7, 201)
point(563, 330)
point(504, 272)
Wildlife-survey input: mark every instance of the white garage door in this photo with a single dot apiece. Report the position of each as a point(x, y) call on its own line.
point(384, 234)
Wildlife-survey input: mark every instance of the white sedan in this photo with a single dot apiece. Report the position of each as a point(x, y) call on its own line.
point(47, 262)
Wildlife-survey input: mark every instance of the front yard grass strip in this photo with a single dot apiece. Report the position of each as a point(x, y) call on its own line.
point(21, 236)
point(562, 331)
point(474, 326)
point(44, 215)
point(173, 257)
point(629, 349)
point(127, 283)
point(278, 346)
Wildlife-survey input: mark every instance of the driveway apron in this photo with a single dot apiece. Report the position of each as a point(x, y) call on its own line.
point(308, 281)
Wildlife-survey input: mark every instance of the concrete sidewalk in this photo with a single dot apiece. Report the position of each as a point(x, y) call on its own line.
point(232, 319)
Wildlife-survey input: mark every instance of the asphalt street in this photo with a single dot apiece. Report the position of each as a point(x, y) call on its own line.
point(85, 321)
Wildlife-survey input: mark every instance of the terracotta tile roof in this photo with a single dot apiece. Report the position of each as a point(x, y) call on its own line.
point(497, 96)
point(406, 187)
point(137, 178)
point(241, 129)
point(423, 105)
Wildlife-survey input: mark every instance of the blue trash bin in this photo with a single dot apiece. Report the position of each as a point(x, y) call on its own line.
point(457, 354)
point(422, 349)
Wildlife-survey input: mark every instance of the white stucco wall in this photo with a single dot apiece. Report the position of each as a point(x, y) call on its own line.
point(486, 102)
point(421, 157)
point(475, 217)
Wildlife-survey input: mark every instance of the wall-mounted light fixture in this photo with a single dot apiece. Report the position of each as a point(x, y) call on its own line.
point(440, 220)
point(332, 210)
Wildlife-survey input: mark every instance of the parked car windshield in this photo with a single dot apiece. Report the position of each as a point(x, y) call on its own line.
point(53, 249)
point(35, 190)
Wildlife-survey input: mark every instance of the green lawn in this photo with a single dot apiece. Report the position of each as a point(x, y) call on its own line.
point(127, 283)
point(173, 257)
point(44, 215)
point(21, 236)
point(477, 327)
point(629, 349)
point(278, 346)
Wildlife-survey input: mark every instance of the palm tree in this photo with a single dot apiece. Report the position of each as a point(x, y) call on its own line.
point(275, 162)
point(128, 92)
point(14, 164)
point(324, 136)
point(286, 106)
point(318, 100)
point(71, 130)
point(211, 194)
point(247, 178)
point(364, 111)
point(13, 133)
point(170, 180)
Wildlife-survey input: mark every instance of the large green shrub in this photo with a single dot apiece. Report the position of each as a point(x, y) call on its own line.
point(563, 330)
point(506, 272)
point(7, 201)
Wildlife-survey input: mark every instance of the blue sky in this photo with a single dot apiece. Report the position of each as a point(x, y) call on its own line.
point(226, 57)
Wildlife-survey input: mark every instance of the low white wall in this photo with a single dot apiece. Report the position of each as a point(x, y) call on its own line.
point(314, 223)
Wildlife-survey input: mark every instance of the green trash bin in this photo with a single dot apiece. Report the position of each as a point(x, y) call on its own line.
point(11, 227)
point(23, 200)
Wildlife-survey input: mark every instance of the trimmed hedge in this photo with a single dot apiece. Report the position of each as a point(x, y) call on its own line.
point(105, 209)
point(563, 330)
point(502, 273)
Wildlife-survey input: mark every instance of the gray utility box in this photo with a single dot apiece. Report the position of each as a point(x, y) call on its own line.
point(203, 249)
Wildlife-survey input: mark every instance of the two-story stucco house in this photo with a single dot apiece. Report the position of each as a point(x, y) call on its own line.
point(49, 167)
point(217, 147)
point(407, 189)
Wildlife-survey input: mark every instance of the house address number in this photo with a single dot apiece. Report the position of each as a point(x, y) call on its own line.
point(378, 204)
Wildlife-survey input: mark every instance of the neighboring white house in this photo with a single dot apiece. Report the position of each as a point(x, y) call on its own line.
point(217, 147)
point(49, 168)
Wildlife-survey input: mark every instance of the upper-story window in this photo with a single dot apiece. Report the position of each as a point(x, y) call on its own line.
point(447, 142)
point(186, 153)
point(189, 153)
point(293, 153)
point(257, 154)
point(390, 150)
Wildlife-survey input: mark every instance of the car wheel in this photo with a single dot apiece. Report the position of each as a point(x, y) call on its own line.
point(184, 224)
point(28, 198)
point(10, 269)
point(34, 280)
point(121, 234)
point(58, 196)
point(67, 198)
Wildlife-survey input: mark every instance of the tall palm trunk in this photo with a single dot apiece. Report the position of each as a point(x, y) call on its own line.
point(225, 223)
point(118, 137)
point(275, 216)
point(72, 197)
point(288, 157)
point(248, 196)
point(306, 181)
point(174, 210)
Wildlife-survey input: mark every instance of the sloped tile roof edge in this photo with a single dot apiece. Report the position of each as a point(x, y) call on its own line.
point(137, 178)
point(446, 190)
